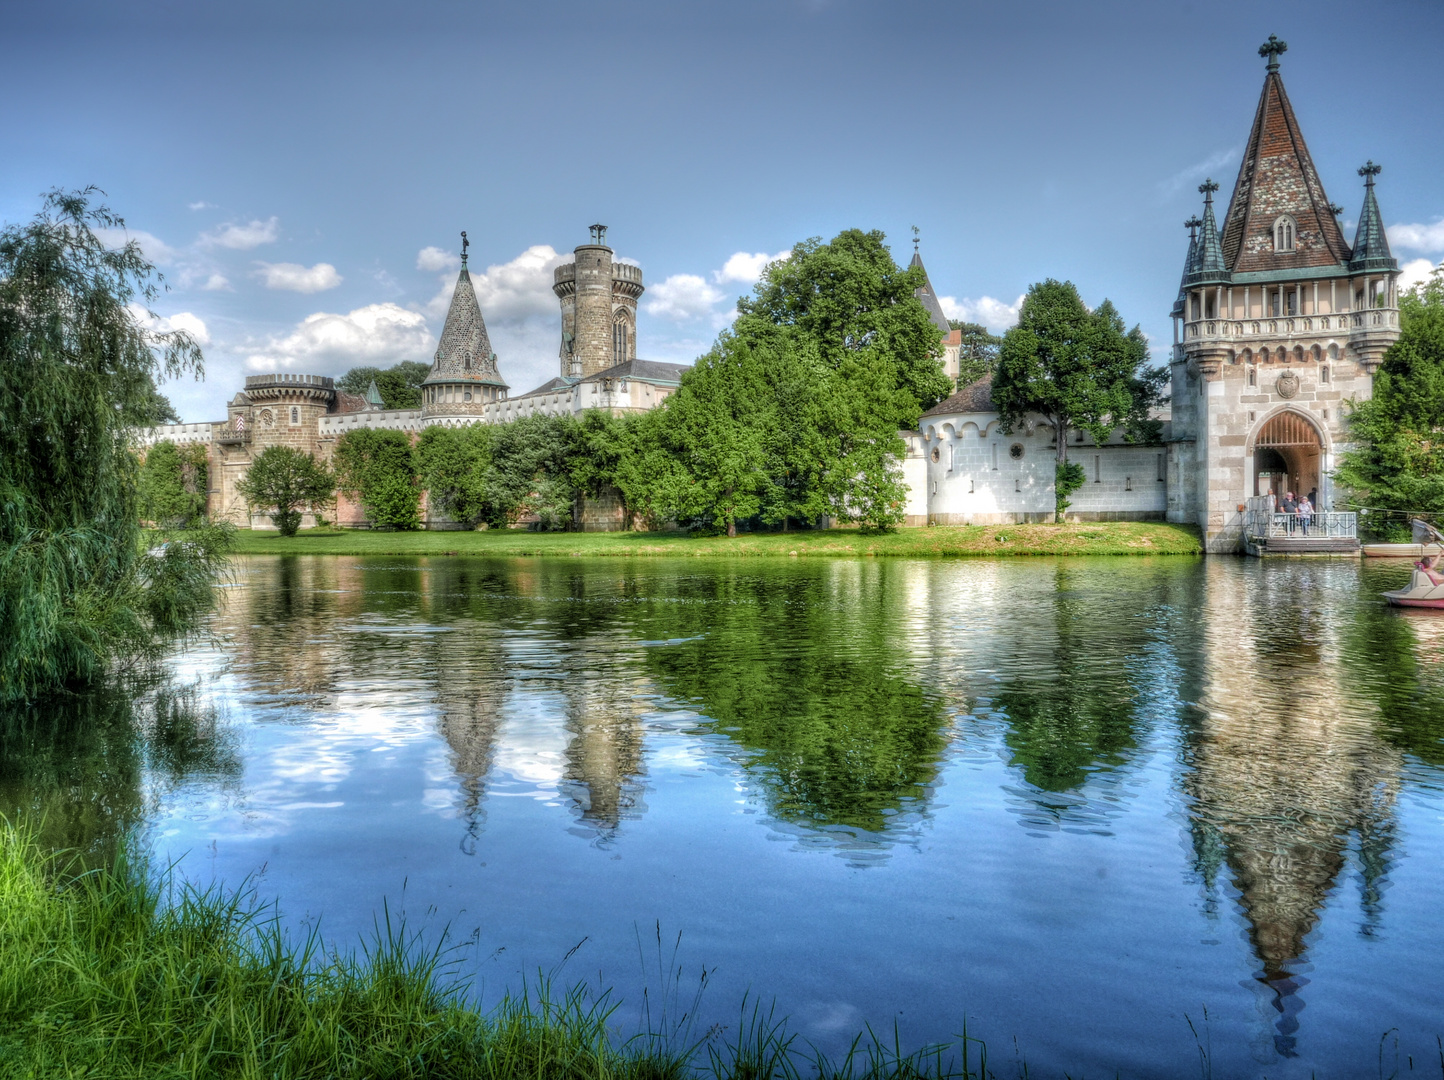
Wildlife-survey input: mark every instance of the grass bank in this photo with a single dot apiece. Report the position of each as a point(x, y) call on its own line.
point(1096, 538)
point(100, 978)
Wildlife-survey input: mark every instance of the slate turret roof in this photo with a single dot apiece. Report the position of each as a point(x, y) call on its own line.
point(1191, 225)
point(1371, 245)
point(464, 352)
point(1276, 177)
point(929, 298)
point(1208, 263)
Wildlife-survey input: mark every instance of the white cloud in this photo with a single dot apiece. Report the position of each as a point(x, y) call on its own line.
point(1416, 270)
point(746, 268)
point(202, 205)
point(509, 292)
point(294, 277)
point(217, 283)
point(996, 315)
point(378, 335)
point(185, 321)
point(432, 259)
point(1197, 171)
point(243, 237)
point(1418, 237)
point(152, 247)
point(682, 298)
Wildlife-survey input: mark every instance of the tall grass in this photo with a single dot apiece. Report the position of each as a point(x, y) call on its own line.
point(104, 973)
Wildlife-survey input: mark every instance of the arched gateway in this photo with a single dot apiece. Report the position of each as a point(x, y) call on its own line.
point(1288, 451)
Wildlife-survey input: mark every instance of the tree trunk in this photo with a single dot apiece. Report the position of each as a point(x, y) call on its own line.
point(1061, 430)
point(731, 528)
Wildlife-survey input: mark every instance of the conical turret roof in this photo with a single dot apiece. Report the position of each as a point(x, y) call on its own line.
point(1371, 245)
point(929, 298)
point(1189, 263)
point(1277, 177)
point(464, 352)
point(373, 396)
point(1208, 262)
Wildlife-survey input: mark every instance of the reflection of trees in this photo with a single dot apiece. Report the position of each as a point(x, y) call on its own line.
point(804, 668)
point(1285, 774)
point(77, 767)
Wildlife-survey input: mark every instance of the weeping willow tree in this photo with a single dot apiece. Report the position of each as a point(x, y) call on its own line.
point(81, 589)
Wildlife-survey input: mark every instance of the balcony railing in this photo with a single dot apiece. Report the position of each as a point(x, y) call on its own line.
point(1292, 325)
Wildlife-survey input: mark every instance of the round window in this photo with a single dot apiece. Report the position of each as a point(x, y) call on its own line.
point(1015, 451)
point(937, 454)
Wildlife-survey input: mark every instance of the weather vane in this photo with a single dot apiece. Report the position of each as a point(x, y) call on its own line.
point(1273, 48)
point(915, 239)
point(464, 244)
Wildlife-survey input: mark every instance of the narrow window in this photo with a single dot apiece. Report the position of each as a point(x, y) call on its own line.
point(995, 457)
point(1128, 483)
point(1161, 475)
point(1252, 377)
point(1284, 229)
point(295, 415)
point(1098, 468)
point(1324, 373)
point(1293, 303)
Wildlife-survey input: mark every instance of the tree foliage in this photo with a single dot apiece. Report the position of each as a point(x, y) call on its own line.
point(978, 353)
point(1077, 369)
point(400, 384)
point(79, 587)
point(281, 481)
point(378, 467)
point(1397, 461)
point(454, 464)
point(173, 484)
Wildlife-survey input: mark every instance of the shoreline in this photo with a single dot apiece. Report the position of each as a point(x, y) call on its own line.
point(1113, 538)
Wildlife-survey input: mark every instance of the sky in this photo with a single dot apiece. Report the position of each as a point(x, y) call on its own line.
point(301, 172)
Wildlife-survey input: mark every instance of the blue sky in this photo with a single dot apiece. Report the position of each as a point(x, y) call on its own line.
point(301, 171)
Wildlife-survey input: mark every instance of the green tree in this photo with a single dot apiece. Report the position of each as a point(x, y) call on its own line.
point(378, 467)
point(530, 471)
point(173, 484)
point(1397, 461)
point(281, 481)
point(978, 353)
point(79, 587)
point(1078, 369)
point(455, 466)
point(400, 384)
point(855, 303)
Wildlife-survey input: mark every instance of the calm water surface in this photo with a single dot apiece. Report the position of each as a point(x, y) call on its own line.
point(1074, 804)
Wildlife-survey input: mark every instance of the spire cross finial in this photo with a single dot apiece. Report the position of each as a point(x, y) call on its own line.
point(1368, 171)
point(1207, 188)
point(465, 243)
point(1273, 48)
point(1191, 224)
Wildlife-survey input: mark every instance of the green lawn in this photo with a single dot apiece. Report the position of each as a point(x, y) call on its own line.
point(1099, 538)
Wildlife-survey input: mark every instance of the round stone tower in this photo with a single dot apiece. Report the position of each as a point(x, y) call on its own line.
point(599, 308)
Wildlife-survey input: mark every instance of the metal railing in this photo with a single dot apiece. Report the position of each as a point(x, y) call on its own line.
point(1259, 522)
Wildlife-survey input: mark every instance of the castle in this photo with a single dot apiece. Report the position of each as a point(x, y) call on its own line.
point(1278, 322)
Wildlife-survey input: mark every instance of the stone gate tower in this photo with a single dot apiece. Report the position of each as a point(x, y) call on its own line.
point(599, 308)
point(1278, 323)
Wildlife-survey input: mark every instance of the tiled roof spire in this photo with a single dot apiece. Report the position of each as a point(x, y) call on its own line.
point(1208, 265)
point(1276, 178)
point(1371, 246)
point(464, 351)
point(925, 292)
point(1191, 225)
point(373, 397)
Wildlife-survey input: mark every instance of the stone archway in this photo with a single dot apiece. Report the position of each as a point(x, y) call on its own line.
point(1290, 453)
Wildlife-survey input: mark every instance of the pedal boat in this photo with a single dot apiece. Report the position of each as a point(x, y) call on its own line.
point(1421, 593)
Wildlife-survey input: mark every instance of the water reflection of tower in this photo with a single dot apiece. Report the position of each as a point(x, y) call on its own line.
point(1282, 776)
point(604, 753)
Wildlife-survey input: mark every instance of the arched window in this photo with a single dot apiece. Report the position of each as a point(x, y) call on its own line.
point(295, 415)
point(619, 338)
point(1284, 233)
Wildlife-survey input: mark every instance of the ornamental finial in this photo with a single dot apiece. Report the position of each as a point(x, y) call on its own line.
point(1191, 224)
point(915, 239)
point(1273, 48)
point(1368, 171)
point(1207, 188)
point(1335, 209)
point(465, 243)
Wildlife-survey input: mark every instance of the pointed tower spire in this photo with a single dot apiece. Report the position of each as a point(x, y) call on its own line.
point(464, 361)
point(1189, 263)
point(373, 397)
point(1277, 183)
point(1208, 260)
point(1371, 246)
point(925, 291)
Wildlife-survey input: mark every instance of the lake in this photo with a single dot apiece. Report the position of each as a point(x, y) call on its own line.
point(1100, 811)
